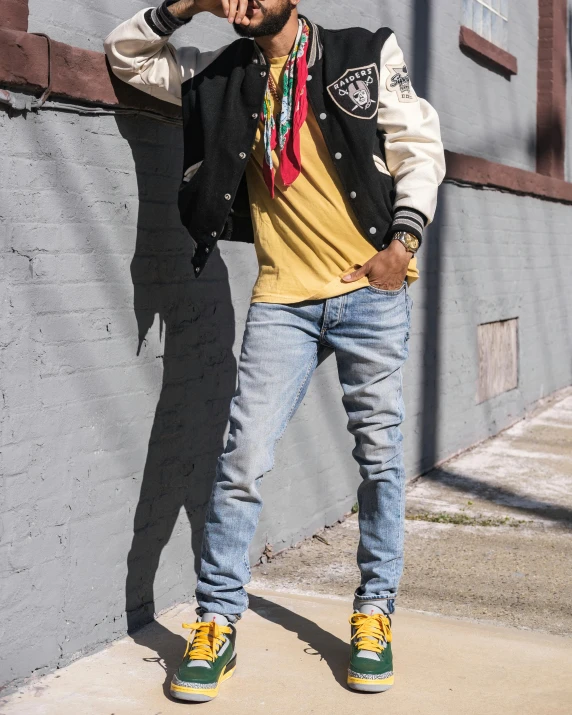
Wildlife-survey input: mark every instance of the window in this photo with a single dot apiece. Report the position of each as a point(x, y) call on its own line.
point(489, 19)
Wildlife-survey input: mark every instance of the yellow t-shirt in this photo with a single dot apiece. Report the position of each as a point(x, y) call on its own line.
point(307, 237)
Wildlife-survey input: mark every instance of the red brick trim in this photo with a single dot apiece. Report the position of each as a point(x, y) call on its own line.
point(551, 103)
point(23, 60)
point(480, 172)
point(14, 14)
point(490, 54)
point(76, 74)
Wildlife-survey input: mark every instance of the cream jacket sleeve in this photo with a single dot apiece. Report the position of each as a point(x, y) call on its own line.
point(145, 60)
point(413, 147)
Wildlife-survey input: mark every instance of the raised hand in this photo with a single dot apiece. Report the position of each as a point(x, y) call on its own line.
point(233, 10)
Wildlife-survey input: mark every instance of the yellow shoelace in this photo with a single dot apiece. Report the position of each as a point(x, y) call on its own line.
point(207, 641)
point(370, 630)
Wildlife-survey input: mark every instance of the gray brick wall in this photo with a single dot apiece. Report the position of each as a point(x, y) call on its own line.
point(117, 367)
point(569, 98)
point(100, 441)
point(481, 112)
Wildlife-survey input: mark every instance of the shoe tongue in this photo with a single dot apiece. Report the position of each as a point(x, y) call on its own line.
point(369, 609)
point(216, 617)
point(208, 618)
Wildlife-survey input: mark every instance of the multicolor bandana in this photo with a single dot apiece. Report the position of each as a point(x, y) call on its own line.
point(294, 112)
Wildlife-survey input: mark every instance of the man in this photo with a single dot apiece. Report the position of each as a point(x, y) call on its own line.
point(313, 145)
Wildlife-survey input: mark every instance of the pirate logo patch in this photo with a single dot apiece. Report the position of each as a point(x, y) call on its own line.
point(357, 92)
point(399, 81)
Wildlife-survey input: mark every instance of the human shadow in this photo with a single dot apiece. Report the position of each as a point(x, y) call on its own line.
point(197, 326)
point(329, 647)
point(169, 649)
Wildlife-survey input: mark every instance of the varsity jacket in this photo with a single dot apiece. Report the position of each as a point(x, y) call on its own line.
point(384, 140)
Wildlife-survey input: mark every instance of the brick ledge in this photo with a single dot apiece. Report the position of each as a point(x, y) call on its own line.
point(483, 173)
point(490, 54)
point(77, 74)
point(14, 14)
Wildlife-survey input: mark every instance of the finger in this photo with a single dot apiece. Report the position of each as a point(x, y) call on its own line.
point(224, 5)
point(241, 12)
point(233, 4)
point(356, 275)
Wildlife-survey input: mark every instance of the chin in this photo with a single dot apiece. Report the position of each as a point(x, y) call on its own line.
point(252, 30)
point(255, 24)
point(242, 30)
point(263, 24)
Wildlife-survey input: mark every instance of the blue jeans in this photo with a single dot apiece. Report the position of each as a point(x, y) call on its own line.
point(368, 330)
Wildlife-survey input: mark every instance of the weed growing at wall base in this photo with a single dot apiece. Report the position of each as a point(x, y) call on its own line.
point(466, 519)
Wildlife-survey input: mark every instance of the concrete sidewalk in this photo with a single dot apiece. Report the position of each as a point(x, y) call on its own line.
point(488, 534)
point(443, 666)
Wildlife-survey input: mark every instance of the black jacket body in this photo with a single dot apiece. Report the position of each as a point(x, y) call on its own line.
point(221, 111)
point(384, 141)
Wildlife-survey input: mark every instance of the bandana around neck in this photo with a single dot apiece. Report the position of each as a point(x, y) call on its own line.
point(286, 134)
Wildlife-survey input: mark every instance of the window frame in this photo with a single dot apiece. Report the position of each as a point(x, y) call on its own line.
point(492, 55)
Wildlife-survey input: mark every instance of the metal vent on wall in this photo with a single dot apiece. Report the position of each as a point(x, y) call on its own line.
point(498, 358)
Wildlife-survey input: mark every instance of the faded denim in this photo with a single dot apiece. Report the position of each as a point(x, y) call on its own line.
point(368, 330)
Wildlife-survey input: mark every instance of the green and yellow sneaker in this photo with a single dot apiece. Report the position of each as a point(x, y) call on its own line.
point(210, 659)
point(371, 661)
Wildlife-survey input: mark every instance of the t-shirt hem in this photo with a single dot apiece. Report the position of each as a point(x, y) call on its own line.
point(323, 294)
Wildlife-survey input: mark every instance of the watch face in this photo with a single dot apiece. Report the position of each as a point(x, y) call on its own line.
point(412, 242)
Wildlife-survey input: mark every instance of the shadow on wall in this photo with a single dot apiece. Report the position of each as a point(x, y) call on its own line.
point(199, 371)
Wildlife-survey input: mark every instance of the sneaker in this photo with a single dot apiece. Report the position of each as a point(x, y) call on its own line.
point(210, 659)
point(371, 661)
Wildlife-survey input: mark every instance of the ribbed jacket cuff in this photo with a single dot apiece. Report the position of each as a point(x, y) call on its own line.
point(162, 22)
point(409, 220)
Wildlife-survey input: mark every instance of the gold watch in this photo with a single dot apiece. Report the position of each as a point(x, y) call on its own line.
point(410, 241)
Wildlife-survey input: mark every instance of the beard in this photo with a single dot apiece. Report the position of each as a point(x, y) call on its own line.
point(271, 24)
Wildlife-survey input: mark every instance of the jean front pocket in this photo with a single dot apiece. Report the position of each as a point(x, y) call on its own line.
point(388, 293)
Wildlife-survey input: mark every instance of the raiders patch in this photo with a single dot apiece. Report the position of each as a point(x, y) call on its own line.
point(399, 81)
point(357, 92)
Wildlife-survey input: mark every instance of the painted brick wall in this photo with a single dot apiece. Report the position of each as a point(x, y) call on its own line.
point(569, 98)
point(481, 112)
point(99, 441)
point(117, 367)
